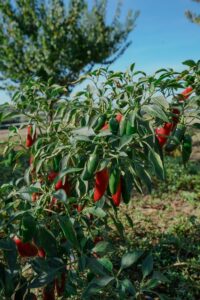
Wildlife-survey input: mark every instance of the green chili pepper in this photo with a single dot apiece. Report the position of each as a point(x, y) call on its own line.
point(130, 129)
point(114, 180)
point(100, 122)
point(122, 103)
point(56, 163)
point(176, 138)
point(126, 195)
point(186, 148)
point(113, 125)
point(91, 165)
point(83, 122)
point(11, 157)
point(122, 126)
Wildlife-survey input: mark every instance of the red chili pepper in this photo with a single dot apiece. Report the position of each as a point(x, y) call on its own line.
point(162, 133)
point(60, 284)
point(29, 139)
point(52, 175)
point(25, 249)
point(48, 292)
point(168, 126)
point(187, 92)
point(119, 117)
point(117, 196)
point(66, 186)
point(101, 184)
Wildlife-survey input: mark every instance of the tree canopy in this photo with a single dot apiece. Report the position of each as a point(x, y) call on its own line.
point(193, 17)
point(58, 39)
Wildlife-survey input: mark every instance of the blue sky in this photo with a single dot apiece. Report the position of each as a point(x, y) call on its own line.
point(163, 36)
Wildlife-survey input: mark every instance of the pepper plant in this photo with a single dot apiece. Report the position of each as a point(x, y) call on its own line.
point(83, 158)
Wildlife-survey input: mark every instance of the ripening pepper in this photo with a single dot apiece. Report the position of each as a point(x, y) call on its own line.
point(29, 138)
point(101, 184)
point(60, 284)
point(122, 126)
point(114, 125)
point(100, 122)
point(25, 249)
point(114, 180)
point(186, 148)
point(176, 139)
point(117, 196)
point(187, 92)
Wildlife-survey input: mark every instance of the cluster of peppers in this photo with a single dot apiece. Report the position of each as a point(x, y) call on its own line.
point(108, 178)
point(172, 134)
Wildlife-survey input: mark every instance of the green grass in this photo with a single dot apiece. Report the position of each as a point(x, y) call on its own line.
point(167, 224)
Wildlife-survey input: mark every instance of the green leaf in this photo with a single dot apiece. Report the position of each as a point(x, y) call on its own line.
point(155, 111)
point(96, 211)
point(67, 171)
point(190, 63)
point(130, 258)
point(96, 267)
point(28, 227)
point(68, 230)
point(45, 239)
point(125, 140)
point(157, 164)
point(147, 265)
point(101, 247)
point(84, 131)
point(106, 263)
point(161, 101)
point(96, 285)
point(143, 175)
point(60, 195)
point(151, 284)
point(127, 287)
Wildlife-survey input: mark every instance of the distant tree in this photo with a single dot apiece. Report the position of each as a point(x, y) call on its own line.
point(193, 17)
point(58, 40)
